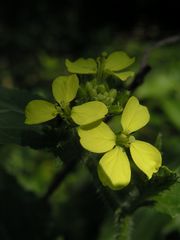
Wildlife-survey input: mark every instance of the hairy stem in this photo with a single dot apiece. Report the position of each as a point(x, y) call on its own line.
point(123, 226)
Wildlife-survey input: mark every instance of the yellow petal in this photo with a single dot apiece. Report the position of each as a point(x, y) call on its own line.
point(88, 112)
point(134, 116)
point(82, 66)
point(38, 111)
point(65, 88)
point(98, 139)
point(124, 75)
point(117, 61)
point(146, 157)
point(114, 169)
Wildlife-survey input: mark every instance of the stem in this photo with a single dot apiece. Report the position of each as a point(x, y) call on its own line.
point(145, 68)
point(123, 226)
point(161, 43)
point(101, 65)
point(139, 78)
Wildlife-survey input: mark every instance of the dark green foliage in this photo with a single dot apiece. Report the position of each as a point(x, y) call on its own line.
point(12, 127)
point(22, 214)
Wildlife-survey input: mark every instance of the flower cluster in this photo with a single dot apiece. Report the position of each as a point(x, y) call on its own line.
point(114, 166)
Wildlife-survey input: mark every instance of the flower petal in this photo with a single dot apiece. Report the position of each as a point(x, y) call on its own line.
point(38, 111)
point(114, 169)
point(65, 88)
point(124, 75)
point(117, 61)
point(88, 112)
point(134, 116)
point(146, 157)
point(82, 66)
point(98, 139)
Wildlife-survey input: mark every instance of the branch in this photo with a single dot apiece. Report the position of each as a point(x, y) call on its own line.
point(161, 43)
point(139, 78)
point(145, 67)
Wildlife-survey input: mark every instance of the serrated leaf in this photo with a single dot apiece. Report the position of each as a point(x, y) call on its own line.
point(160, 181)
point(82, 66)
point(169, 201)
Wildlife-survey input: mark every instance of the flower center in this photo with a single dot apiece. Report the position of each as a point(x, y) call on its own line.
point(124, 140)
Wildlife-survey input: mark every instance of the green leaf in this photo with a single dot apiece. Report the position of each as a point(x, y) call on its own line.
point(39, 111)
point(172, 110)
point(160, 181)
point(12, 127)
point(169, 201)
point(82, 66)
point(149, 224)
point(124, 75)
point(23, 215)
point(117, 61)
point(12, 105)
point(65, 88)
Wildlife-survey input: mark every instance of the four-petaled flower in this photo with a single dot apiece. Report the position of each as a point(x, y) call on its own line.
point(113, 64)
point(114, 167)
point(64, 89)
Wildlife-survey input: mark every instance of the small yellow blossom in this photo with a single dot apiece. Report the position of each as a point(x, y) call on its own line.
point(64, 89)
point(114, 167)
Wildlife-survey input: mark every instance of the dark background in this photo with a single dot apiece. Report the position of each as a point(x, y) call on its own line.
point(35, 38)
point(75, 28)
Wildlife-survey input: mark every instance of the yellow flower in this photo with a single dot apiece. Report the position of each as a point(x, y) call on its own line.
point(114, 167)
point(64, 90)
point(113, 64)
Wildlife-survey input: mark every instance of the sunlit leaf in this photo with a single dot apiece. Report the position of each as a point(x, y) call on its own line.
point(65, 88)
point(146, 157)
point(98, 139)
point(114, 169)
point(88, 112)
point(82, 66)
point(38, 111)
point(118, 61)
point(134, 116)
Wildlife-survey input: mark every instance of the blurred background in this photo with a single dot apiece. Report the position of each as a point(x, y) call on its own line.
point(35, 38)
